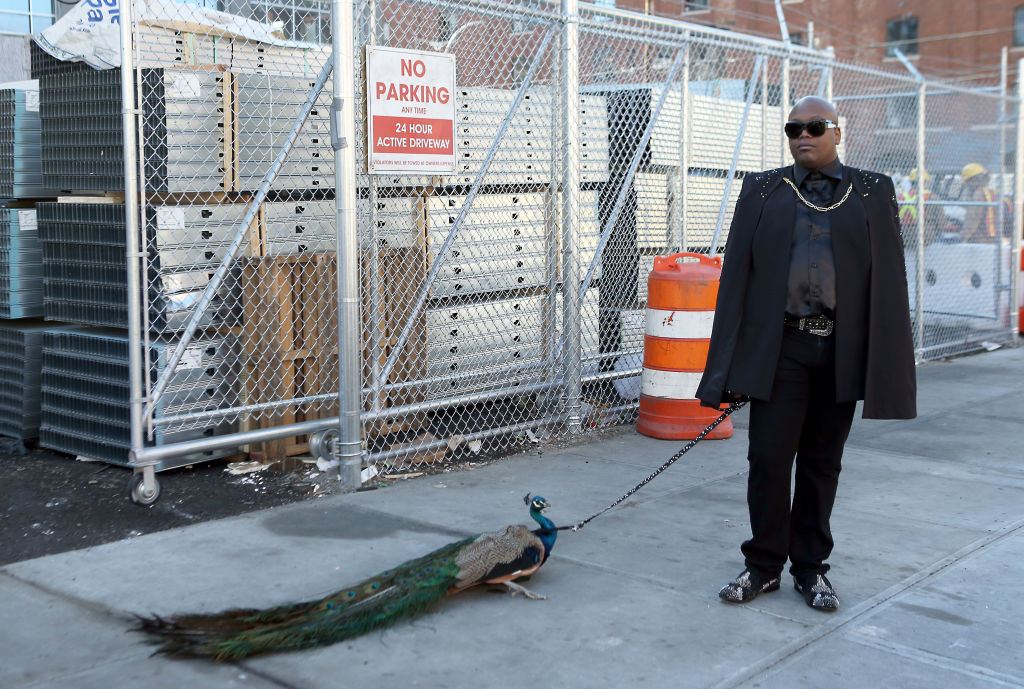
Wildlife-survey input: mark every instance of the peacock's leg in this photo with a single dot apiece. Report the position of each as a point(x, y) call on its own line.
point(515, 588)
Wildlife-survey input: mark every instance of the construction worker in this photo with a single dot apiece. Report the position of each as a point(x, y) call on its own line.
point(980, 222)
point(907, 201)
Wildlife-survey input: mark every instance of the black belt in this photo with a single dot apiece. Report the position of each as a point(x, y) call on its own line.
point(815, 325)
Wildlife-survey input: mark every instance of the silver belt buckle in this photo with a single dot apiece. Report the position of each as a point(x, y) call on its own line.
point(822, 327)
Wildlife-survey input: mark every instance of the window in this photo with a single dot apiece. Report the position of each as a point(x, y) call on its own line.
point(25, 16)
point(796, 37)
point(901, 33)
point(696, 5)
point(1018, 26)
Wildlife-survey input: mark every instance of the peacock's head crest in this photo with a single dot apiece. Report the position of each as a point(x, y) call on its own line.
point(536, 503)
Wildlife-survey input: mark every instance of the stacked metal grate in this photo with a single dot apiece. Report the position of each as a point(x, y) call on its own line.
point(86, 397)
point(84, 274)
point(21, 175)
point(184, 135)
point(21, 279)
point(21, 357)
point(42, 64)
point(266, 108)
point(526, 152)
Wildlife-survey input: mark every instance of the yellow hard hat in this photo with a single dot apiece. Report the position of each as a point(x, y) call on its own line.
point(972, 170)
point(913, 176)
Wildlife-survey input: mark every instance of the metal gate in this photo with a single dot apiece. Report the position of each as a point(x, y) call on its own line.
point(501, 305)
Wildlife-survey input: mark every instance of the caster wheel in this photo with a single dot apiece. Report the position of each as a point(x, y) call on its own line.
point(143, 494)
point(320, 444)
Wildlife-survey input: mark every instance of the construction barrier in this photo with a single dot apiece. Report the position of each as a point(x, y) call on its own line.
point(680, 312)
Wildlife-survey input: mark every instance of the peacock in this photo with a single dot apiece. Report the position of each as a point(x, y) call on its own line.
point(497, 557)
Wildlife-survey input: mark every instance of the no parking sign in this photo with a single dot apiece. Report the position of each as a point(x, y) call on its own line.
point(410, 98)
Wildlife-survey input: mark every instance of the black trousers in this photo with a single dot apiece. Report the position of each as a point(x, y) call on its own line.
point(802, 420)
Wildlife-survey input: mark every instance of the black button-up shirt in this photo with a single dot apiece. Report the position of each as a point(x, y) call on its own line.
point(812, 268)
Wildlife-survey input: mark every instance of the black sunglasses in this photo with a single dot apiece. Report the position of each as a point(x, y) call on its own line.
point(814, 128)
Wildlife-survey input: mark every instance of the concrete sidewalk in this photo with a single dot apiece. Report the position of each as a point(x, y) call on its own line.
point(929, 565)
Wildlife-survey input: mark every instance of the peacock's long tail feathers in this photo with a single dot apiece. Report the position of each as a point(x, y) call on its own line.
point(377, 602)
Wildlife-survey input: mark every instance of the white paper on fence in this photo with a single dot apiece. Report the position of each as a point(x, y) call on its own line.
point(91, 31)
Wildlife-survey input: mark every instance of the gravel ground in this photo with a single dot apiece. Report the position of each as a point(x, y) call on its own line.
point(53, 503)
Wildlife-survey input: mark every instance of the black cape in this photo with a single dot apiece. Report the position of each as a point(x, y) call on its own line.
point(874, 343)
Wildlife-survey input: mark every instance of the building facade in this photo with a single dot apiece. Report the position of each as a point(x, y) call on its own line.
point(948, 40)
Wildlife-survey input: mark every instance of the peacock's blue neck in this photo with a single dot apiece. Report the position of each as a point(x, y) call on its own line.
point(548, 532)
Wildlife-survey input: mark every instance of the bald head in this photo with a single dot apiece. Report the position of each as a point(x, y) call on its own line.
point(814, 152)
point(818, 105)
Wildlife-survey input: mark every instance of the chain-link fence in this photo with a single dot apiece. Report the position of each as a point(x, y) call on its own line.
point(503, 303)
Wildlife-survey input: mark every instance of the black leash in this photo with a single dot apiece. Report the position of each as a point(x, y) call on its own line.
point(671, 460)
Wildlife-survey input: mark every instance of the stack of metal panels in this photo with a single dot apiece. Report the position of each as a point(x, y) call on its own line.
point(526, 151)
point(589, 228)
point(703, 204)
point(714, 132)
point(477, 346)
point(185, 140)
point(654, 197)
point(594, 139)
point(296, 227)
point(84, 269)
point(590, 319)
point(20, 173)
point(42, 64)
point(21, 272)
point(86, 396)
point(21, 357)
point(267, 107)
point(501, 245)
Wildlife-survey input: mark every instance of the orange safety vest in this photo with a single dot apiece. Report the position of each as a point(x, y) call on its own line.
point(990, 212)
point(908, 209)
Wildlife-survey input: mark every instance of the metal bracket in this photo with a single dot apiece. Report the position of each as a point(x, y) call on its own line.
point(338, 142)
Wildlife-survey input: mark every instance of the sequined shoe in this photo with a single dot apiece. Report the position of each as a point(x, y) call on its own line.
point(746, 586)
point(817, 591)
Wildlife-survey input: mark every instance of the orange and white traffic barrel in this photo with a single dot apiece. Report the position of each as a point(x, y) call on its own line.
point(680, 312)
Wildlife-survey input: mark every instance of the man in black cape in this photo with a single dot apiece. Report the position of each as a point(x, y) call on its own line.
point(812, 316)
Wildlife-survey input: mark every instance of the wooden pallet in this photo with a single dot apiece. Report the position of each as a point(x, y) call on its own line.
point(400, 274)
point(289, 338)
point(289, 341)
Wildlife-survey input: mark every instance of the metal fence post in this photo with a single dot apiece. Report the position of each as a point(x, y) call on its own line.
point(680, 186)
point(134, 255)
point(997, 269)
point(784, 97)
point(1018, 210)
point(571, 298)
point(919, 279)
point(342, 141)
point(376, 334)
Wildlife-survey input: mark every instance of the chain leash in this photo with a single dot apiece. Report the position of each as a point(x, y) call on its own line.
point(671, 460)
point(822, 209)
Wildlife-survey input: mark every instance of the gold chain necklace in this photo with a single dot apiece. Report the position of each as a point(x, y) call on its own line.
point(819, 208)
